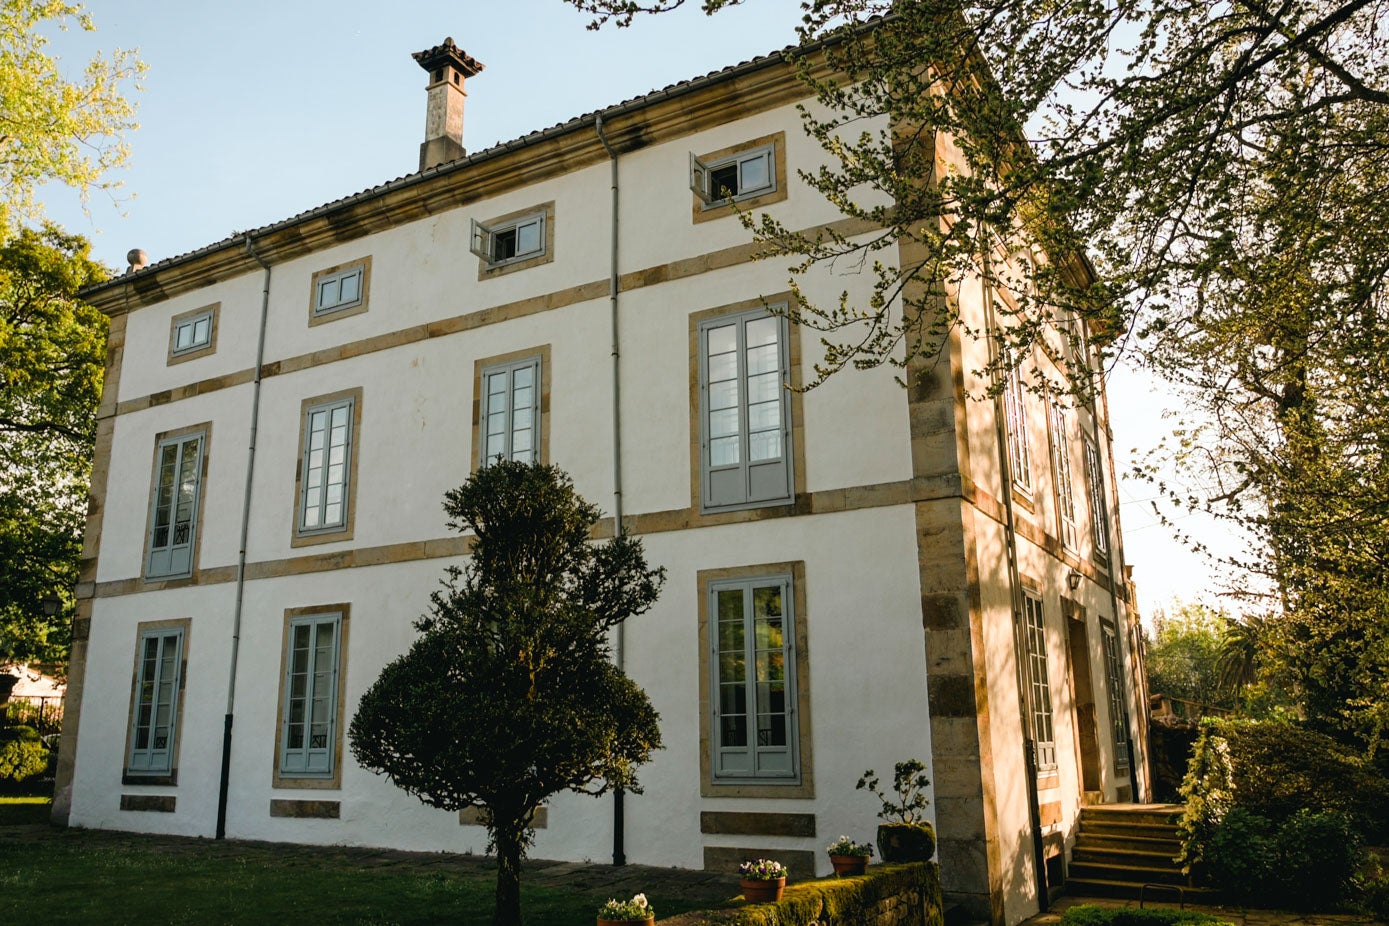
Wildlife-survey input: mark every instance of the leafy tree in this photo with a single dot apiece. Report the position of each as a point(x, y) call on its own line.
point(1182, 655)
point(1226, 168)
point(509, 694)
point(52, 350)
point(53, 128)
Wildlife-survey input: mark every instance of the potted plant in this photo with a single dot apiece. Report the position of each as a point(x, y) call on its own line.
point(849, 857)
point(905, 835)
point(762, 880)
point(634, 912)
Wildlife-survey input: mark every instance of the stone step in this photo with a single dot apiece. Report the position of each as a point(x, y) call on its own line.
point(1168, 847)
point(1154, 813)
point(1135, 874)
point(1132, 890)
point(1122, 855)
point(1142, 830)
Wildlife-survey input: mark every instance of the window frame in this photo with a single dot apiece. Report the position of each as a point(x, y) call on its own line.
point(1099, 505)
point(706, 208)
point(704, 470)
point(509, 370)
point(167, 772)
point(208, 313)
point(482, 237)
point(285, 774)
point(320, 313)
point(802, 783)
point(342, 530)
point(1041, 719)
point(540, 356)
point(1062, 476)
point(1015, 425)
point(1118, 705)
point(178, 437)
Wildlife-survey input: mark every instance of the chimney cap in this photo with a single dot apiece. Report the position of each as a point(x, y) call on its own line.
point(448, 53)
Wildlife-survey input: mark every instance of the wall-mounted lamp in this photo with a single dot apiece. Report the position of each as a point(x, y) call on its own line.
point(52, 604)
point(1073, 580)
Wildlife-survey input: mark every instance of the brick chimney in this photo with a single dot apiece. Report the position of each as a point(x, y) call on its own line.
point(448, 66)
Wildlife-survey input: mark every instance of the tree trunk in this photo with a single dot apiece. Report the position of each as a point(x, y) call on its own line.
point(507, 835)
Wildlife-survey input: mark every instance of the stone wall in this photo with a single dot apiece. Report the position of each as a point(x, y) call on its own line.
point(888, 895)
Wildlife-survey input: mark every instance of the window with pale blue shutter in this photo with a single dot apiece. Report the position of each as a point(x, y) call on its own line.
point(342, 289)
point(1038, 683)
point(753, 664)
point(1019, 449)
point(155, 722)
point(1061, 465)
point(1118, 711)
point(174, 508)
point(1099, 510)
point(745, 411)
point(326, 466)
point(308, 735)
point(510, 412)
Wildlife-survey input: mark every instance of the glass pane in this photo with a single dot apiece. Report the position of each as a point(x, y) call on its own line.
point(723, 451)
point(723, 339)
point(731, 636)
point(521, 442)
point(765, 330)
point(730, 604)
point(339, 417)
point(723, 422)
point(723, 394)
point(771, 730)
point(496, 422)
point(731, 667)
point(202, 331)
point(723, 181)
point(764, 415)
point(183, 337)
point(734, 730)
point(764, 388)
point(523, 397)
point(326, 294)
point(766, 601)
point(528, 238)
point(496, 384)
point(755, 173)
point(723, 367)
point(764, 359)
point(764, 445)
point(351, 287)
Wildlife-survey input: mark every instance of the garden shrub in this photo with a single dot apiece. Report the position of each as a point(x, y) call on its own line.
point(1089, 915)
point(1242, 854)
point(1318, 854)
point(22, 753)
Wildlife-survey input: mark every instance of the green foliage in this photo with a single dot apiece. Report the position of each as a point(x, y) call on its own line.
point(851, 901)
point(1182, 655)
point(52, 352)
point(1090, 915)
point(53, 128)
point(1242, 855)
point(908, 802)
point(1207, 795)
point(509, 694)
point(1318, 854)
point(22, 754)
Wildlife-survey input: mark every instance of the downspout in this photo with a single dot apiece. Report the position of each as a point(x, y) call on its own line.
point(225, 782)
point(619, 815)
point(1034, 813)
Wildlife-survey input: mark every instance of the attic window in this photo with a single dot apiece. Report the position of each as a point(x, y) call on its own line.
point(508, 242)
point(736, 177)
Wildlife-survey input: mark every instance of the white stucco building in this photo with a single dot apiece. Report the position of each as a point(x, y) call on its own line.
point(284, 410)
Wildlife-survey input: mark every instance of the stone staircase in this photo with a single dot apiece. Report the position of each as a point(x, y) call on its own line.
point(1120, 848)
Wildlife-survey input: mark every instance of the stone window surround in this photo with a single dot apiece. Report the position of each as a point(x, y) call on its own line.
point(542, 351)
point(183, 624)
point(214, 311)
point(298, 538)
point(322, 317)
point(486, 270)
point(147, 581)
point(333, 781)
point(702, 213)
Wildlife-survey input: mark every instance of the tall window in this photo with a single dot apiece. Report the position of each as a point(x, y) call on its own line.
point(155, 721)
point(511, 395)
point(1019, 453)
point(753, 679)
point(308, 736)
point(1061, 464)
point(1099, 517)
point(174, 508)
point(745, 413)
point(1038, 682)
point(1118, 712)
point(326, 466)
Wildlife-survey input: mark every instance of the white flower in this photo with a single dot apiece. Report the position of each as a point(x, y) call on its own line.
point(640, 901)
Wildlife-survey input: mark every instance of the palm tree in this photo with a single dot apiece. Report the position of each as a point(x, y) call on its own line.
point(1238, 658)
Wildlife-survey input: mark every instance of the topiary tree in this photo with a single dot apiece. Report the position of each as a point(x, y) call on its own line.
point(509, 694)
point(22, 753)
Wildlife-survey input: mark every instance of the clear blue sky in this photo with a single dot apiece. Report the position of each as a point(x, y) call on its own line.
point(254, 111)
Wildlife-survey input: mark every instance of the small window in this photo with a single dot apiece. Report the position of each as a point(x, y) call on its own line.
point(1038, 684)
point(745, 411)
point(326, 466)
point(734, 178)
point(510, 241)
point(1099, 510)
point(1019, 450)
point(1118, 712)
point(340, 292)
point(510, 411)
point(753, 686)
point(193, 334)
point(158, 685)
point(308, 735)
point(1061, 465)
point(174, 506)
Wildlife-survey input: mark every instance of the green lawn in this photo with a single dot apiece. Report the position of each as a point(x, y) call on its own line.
point(84, 878)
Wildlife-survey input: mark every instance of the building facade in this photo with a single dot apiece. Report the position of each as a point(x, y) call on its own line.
point(936, 576)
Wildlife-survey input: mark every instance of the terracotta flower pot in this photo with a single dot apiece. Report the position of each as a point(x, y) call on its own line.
point(762, 891)
point(849, 864)
point(644, 921)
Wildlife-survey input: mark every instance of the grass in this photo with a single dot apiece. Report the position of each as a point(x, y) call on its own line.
point(76, 877)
